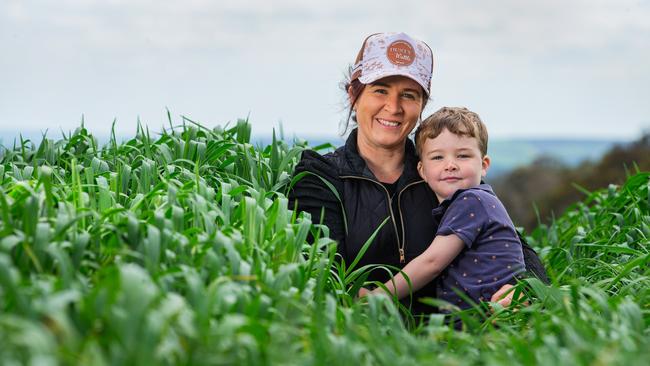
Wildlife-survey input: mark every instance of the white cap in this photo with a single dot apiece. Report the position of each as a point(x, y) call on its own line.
point(389, 54)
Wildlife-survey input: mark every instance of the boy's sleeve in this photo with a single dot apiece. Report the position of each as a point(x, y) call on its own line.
point(465, 217)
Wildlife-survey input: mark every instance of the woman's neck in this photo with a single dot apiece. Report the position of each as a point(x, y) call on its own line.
point(387, 164)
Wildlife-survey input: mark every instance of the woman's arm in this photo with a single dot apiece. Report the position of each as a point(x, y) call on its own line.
point(312, 194)
point(533, 264)
point(534, 267)
point(425, 267)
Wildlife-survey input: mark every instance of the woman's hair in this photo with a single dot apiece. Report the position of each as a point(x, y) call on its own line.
point(352, 88)
point(458, 120)
point(355, 88)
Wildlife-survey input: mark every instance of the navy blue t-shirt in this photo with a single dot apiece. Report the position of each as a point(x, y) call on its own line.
point(492, 253)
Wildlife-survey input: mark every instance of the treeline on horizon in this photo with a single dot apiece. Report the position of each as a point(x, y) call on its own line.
point(537, 193)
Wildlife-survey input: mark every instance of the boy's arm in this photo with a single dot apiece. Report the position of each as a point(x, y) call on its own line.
point(426, 266)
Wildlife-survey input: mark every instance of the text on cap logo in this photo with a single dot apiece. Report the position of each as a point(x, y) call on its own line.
point(400, 53)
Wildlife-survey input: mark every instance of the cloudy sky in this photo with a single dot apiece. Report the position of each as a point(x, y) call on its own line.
point(553, 68)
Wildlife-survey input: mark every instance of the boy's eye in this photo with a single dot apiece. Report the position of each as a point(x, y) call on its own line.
point(436, 157)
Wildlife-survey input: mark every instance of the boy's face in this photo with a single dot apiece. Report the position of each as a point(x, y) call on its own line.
point(450, 162)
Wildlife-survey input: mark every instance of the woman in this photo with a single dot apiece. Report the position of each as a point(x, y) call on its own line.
point(375, 173)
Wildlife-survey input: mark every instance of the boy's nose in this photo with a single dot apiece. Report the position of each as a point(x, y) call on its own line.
point(451, 166)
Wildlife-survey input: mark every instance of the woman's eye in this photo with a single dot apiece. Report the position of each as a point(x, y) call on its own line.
point(409, 96)
point(380, 91)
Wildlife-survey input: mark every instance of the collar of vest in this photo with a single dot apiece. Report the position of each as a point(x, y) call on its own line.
point(355, 165)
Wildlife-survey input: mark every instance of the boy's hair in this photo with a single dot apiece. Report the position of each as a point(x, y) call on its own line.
point(459, 121)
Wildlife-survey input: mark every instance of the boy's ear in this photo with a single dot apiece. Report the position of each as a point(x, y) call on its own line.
point(421, 171)
point(485, 164)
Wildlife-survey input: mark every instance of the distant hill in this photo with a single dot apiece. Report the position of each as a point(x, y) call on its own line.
point(550, 183)
point(508, 154)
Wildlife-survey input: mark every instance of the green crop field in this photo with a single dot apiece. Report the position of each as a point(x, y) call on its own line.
point(179, 249)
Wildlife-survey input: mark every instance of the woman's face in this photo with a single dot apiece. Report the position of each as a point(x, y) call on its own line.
point(387, 111)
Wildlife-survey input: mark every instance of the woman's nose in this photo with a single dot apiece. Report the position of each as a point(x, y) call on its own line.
point(393, 104)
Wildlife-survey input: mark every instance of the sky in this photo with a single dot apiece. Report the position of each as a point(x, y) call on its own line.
point(533, 69)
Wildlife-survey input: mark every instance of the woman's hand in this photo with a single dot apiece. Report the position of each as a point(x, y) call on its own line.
point(503, 296)
point(363, 292)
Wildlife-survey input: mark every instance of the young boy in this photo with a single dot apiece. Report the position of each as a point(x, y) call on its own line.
point(476, 249)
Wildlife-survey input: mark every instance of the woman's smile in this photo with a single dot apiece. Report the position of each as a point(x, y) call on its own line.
point(387, 123)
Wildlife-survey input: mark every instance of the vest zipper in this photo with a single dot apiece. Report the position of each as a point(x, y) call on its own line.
point(401, 244)
point(401, 217)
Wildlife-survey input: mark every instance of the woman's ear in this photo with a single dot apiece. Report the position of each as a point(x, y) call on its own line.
point(485, 164)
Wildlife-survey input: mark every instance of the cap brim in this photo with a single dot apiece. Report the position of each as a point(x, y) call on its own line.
point(367, 79)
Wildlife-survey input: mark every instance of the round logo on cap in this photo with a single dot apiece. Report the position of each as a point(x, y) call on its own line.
point(400, 53)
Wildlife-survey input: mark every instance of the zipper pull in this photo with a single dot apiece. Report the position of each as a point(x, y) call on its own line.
point(402, 258)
